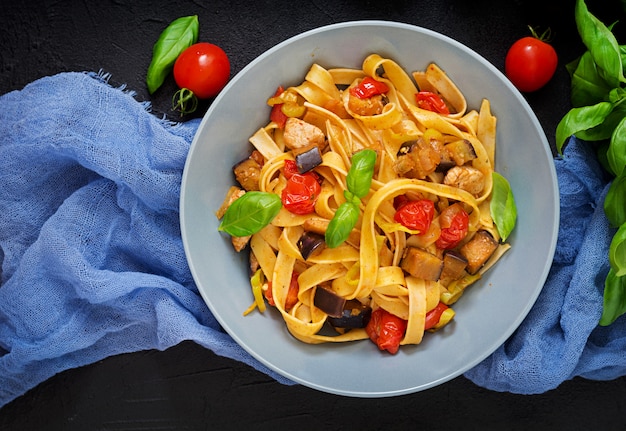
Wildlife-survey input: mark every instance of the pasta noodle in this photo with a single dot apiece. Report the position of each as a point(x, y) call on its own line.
point(443, 155)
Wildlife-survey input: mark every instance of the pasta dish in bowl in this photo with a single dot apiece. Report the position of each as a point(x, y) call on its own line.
point(365, 176)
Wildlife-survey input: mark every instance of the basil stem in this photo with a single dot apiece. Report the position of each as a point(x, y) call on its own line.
point(358, 181)
point(502, 206)
point(178, 36)
point(359, 177)
point(250, 213)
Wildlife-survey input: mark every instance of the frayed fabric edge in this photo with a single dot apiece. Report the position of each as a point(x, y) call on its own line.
point(105, 77)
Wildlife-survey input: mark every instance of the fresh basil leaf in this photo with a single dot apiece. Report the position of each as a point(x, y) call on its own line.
point(616, 153)
point(601, 43)
point(604, 130)
point(361, 171)
point(617, 252)
point(502, 206)
point(588, 86)
point(615, 201)
point(614, 301)
point(250, 213)
point(344, 220)
point(580, 119)
point(178, 36)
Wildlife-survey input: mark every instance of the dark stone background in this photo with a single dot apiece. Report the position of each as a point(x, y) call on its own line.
point(189, 387)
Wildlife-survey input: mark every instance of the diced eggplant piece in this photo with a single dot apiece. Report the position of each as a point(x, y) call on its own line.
point(247, 173)
point(354, 315)
point(310, 244)
point(421, 264)
point(454, 265)
point(445, 166)
point(308, 158)
point(478, 250)
point(329, 302)
point(406, 147)
point(460, 151)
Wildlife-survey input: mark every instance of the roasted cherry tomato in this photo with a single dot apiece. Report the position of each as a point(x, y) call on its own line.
point(386, 330)
point(292, 293)
point(434, 315)
point(454, 222)
point(416, 215)
point(301, 192)
point(290, 168)
point(530, 62)
point(203, 68)
point(277, 115)
point(431, 102)
point(368, 87)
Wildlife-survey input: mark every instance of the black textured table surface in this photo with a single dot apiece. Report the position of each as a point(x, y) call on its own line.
point(189, 387)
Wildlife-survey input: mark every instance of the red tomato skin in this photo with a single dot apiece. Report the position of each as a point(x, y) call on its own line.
point(454, 227)
point(277, 115)
point(386, 330)
point(369, 87)
point(416, 215)
point(431, 102)
point(434, 315)
point(530, 63)
point(290, 168)
point(301, 193)
point(292, 293)
point(203, 68)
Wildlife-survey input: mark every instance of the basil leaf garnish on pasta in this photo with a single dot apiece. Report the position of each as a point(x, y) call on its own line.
point(502, 206)
point(358, 180)
point(342, 224)
point(359, 177)
point(250, 213)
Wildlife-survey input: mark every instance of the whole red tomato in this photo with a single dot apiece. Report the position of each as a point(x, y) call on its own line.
point(203, 68)
point(530, 63)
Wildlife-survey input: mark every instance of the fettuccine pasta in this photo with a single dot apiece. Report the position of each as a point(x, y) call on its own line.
point(423, 232)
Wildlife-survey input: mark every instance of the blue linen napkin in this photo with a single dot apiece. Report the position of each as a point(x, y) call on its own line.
point(94, 265)
point(93, 258)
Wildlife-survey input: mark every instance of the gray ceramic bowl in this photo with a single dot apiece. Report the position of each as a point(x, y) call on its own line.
point(488, 312)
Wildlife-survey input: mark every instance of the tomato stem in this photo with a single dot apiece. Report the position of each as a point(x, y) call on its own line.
point(184, 101)
point(544, 37)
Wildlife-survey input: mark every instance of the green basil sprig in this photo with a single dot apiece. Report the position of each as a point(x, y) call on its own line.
point(599, 115)
point(502, 206)
point(358, 181)
point(250, 213)
point(178, 36)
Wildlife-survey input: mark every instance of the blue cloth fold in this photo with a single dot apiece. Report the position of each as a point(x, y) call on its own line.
point(93, 263)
